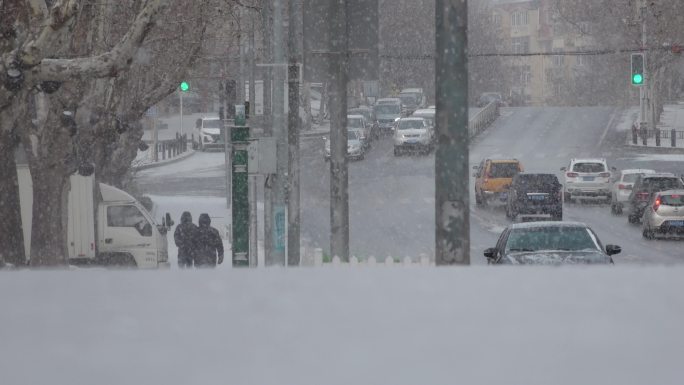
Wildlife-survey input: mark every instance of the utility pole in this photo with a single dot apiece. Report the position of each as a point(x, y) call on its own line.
point(252, 77)
point(339, 176)
point(267, 121)
point(643, 89)
point(293, 125)
point(278, 197)
point(452, 209)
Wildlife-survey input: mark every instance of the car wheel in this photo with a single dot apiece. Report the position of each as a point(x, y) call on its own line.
point(478, 199)
point(632, 219)
point(648, 234)
point(618, 208)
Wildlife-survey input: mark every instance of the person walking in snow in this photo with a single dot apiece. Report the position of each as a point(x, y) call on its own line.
point(208, 244)
point(185, 236)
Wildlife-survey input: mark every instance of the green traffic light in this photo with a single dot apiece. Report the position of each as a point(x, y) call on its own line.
point(637, 79)
point(184, 86)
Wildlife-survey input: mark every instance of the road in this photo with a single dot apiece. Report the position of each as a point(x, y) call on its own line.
point(392, 199)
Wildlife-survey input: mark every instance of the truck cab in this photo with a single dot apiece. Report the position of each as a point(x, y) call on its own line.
point(105, 225)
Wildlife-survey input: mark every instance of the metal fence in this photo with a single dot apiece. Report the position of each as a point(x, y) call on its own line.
point(662, 138)
point(483, 119)
point(167, 149)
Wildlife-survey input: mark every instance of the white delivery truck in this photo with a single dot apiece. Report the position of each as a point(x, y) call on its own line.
point(106, 226)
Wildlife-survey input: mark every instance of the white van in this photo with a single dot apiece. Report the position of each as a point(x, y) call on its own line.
point(106, 226)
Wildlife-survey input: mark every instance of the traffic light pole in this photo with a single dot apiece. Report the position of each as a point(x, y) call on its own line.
point(452, 206)
point(643, 89)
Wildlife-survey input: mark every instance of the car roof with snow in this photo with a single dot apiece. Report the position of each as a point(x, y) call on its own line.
point(414, 118)
point(355, 117)
point(424, 111)
point(416, 90)
point(588, 160)
point(638, 171)
point(388, 101)
point(659, 175)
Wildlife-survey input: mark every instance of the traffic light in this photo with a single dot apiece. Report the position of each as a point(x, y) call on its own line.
point(637, 69)
point(184, 86)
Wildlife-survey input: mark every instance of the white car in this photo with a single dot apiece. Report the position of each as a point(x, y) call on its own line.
point(359, 122)
point(664, 215)
point(413, 134)
point(622, 188)
point(587, 178)
point(208, 131)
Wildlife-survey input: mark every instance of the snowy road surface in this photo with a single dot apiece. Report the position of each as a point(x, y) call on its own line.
point(392, 199)
point(335, 326)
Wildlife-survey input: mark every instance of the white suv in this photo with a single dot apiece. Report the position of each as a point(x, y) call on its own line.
point(413, 134)
point(587, 178)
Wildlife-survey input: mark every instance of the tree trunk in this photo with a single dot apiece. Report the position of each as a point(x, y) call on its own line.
point(49, 228)
point(12, 239)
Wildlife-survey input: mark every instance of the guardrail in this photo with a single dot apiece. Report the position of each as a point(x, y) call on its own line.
point(167, 149)
point(672, 136)
point(483, 119)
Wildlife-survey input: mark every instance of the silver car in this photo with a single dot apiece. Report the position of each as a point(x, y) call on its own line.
point(413, 134)
point(355, 147)
point(622, 188)
point(665, 214)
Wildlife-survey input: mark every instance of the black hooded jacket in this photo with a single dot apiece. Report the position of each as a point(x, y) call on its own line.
point(208, 243)
point(185, 236)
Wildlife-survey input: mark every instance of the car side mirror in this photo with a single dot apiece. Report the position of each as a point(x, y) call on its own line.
point(614, 168)
point(490, 253)
point(613, 249)
point(563, 168)
point(168, 220)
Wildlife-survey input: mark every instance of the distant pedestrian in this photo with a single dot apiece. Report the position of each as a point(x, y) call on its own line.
point(208, 244)
point(185, 236)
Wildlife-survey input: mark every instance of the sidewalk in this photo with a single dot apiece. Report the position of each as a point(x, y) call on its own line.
point(672, 118)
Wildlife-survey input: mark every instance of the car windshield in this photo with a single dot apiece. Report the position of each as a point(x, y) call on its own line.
point(408, 99)
point(503, 170)
point(354, 122)
point(672, 200)
point(211, 123)
point(352, 135)
point(588, 167)
point(561, 238)
point(410, 124)
point(661, 184)
point(388, 109)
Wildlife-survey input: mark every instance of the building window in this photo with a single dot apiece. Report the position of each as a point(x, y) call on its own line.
point(496, 19)
point(525, 75)
point(520, 44)
point(582, 60)
point(519, 18)
point(558, 60)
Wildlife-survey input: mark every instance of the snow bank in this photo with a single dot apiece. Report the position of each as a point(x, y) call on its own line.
point(334, 326)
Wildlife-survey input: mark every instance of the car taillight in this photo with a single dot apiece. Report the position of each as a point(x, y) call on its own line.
point(622, 186)
point(604, 175)
point(656, 204)
point(643, 196)
point(572, 175)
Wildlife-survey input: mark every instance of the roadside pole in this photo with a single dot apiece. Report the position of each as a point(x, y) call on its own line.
point(180, 95)
point(267, 72)
point(253, 225)
point(339, 177)
point(278, 206)
point(452, 210)
point(252, 77)
point(155, 136)
point(240, 211)
point(643, 89)
point(227, 149)
point(293, 124)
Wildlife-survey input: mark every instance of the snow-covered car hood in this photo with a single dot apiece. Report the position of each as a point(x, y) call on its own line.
point(555, 257)
point(387, 116)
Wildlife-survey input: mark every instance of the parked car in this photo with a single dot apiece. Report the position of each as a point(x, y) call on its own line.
point(387, 111)
point(493, 178)
point(368, 114)
point(550, 243)
point(535, 194)
point(359, 123)
point(355, 147)
point(488, 97)
point(665, 214)
point(413, 135)
point(587, 178)
point(622, 188)
point(208, 132)
point(645, 187)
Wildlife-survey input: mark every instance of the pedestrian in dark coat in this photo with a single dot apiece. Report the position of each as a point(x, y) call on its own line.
point(208, 244)
point(185, 236)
